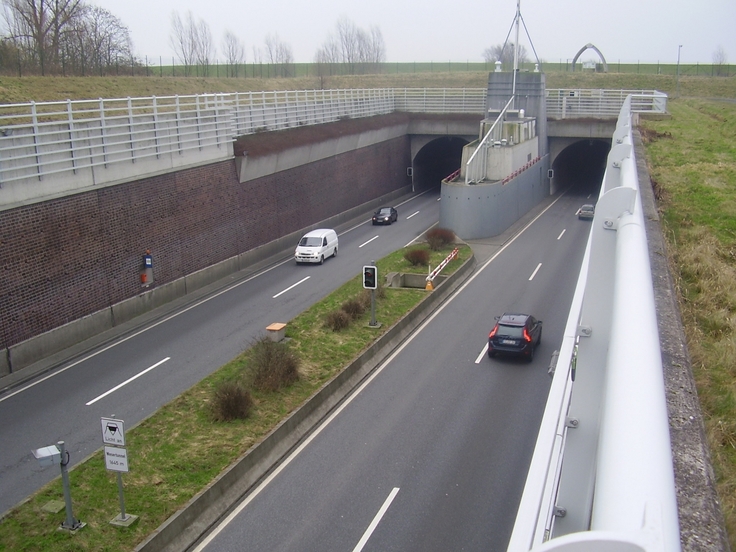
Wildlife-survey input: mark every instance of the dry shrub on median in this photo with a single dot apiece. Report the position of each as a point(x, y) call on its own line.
point(365, 296)
point(273, 364)
point(437, 238)
point(337, 320)
point(231, 401)
point(353, 308)
point(417, 257)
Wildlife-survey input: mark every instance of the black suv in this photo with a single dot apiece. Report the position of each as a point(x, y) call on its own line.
point(515, 334)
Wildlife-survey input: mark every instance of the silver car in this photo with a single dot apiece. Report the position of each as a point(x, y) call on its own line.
point(586, 212)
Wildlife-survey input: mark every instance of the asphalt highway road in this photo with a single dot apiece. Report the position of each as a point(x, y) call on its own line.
point(431, 453)
point(134, 374)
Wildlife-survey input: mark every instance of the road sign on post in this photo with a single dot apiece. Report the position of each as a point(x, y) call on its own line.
point(113, 432)
point(116, 459)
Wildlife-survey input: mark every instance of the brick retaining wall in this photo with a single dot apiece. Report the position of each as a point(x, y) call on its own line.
point(69, 257)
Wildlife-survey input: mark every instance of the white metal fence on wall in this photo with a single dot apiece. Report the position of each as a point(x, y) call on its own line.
point(53, 147)
point(578, 103)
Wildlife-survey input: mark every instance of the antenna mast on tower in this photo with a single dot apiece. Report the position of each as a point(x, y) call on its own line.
point(517, 18)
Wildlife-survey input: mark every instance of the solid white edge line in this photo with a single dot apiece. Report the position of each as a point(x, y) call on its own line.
point(562, 233)
point(376, 520)
point(224, 523)
point(535, 272)
point(369, 241)
point(126, 382)
point(482, 354)
point(291, 287)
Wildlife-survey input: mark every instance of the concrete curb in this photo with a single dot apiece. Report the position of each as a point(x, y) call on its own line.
point(185, 527)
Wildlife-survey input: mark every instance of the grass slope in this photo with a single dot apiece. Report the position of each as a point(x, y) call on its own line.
point(25, 89)
point(693, 167)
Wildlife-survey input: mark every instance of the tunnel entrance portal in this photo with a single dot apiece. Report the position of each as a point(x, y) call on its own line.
point(437, 160)
point(581, 165)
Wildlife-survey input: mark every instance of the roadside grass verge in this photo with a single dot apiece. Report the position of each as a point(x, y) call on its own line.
point(179, 450)
point(693, 168)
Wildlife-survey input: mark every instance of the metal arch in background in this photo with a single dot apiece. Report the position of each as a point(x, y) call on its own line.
point(590, 46)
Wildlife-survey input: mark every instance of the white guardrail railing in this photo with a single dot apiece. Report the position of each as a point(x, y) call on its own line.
point(575, 103)
point(601, 477)
point(84, 143)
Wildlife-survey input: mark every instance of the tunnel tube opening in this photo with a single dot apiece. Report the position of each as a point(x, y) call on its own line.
point(436, 161)
point(581, 165)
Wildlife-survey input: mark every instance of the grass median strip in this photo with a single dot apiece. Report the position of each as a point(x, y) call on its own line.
point(179, 450)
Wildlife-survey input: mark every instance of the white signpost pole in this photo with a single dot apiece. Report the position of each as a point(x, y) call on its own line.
point(116, 459)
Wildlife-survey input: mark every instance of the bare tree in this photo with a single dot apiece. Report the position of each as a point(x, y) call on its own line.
point(505, 54)
point(348, 40)
point(720, 59)
point(371, 46)
point(328, 53)
point(182, 39)
point(279, 54)
point(204, 48)
point(37, 27)
point(352, 45)
point(234, 52)
point(99, 41)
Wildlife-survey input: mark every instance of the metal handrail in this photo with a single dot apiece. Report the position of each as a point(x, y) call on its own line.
point(600, 103)
point(599, 475)
point(79, 141)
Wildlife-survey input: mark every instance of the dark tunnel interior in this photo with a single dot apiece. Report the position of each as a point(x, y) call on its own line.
point(436, 161)
point(581, 165)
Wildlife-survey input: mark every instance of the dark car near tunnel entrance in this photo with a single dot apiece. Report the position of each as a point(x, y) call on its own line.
point(385, 215)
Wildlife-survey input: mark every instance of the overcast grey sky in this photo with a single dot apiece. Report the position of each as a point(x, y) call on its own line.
point(628, 31)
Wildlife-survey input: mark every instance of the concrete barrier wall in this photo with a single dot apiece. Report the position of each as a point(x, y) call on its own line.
point(253, 168)
point(485, 210)
point(74, 158)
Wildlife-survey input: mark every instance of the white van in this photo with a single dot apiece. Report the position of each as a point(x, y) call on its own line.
point(316, 245)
